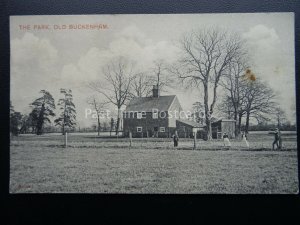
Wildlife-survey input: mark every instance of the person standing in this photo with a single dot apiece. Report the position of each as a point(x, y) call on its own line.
point(226, 140)
point(244, 139)
point(175, 139)
point(276, 139)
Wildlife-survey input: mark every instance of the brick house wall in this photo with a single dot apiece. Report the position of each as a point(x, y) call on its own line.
point(148, 124)
point(163, 126)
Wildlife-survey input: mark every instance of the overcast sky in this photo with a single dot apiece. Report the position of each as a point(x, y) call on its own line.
point(53, 59)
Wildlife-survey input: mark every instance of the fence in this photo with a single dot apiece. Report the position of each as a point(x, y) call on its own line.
point(181, 134)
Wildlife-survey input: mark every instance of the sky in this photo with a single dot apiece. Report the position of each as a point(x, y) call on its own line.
point(56, 58)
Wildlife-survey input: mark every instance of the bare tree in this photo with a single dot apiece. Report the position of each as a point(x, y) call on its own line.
point(206, 55)
point(98, 106)
point(118, 75)
point(233, 83)
point(141, 85)
point(226, 108)
point(198, 112)
point(280, 116)
point(259, 101)
point(161, 75)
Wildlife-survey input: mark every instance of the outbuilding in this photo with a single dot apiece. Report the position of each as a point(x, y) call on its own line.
point(222, 126)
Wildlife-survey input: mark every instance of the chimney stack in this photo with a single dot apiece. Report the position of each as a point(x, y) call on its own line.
point(155, 91)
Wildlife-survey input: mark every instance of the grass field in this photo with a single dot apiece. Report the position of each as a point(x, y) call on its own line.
point(40, 164)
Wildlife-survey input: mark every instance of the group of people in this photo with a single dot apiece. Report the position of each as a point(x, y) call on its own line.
point(227, 141)
point(277, 139)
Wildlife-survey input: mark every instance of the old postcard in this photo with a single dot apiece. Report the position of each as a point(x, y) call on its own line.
point(167, 103)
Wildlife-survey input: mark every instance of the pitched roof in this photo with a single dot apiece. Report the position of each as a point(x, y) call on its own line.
point(147, 104)
point(191, 123)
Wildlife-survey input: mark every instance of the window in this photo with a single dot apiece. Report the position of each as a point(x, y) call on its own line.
point(155, 115)
point(130, 115)
point(141, 115)
point(139, 129)
point(162, 129)
point(125, 115)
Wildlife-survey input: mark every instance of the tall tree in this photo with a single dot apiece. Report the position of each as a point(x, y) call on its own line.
point(226, 108)
point(233, 83)
point(161, 76)
point(98, 106)
point(259, 101)
point(43, 109)
point(198, 112)
point(141, 85)
point(67, 118)
point(112, 125)
point(280, 116)
point(32, 120)
point(206, 54)
point(118, 75)
point(25, 124)
point(15, 121)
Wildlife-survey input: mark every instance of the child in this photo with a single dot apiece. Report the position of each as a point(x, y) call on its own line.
point(276, 138)
point(244, 139)
point(226, 140)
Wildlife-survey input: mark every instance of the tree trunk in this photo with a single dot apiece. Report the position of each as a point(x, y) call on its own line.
point(39, 128)
point(209, 130)
point(117, 126)
point(207, 113)
point(118, 122)
point(247, 122)
point(64, 121)
point(236, 123)
point(98, 120)
point(240, 123)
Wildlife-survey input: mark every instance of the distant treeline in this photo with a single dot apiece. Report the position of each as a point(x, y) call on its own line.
point(265, 127)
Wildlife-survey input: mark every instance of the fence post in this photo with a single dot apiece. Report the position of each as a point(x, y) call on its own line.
point(130, 138)
point(195, 138)
point(66, 139)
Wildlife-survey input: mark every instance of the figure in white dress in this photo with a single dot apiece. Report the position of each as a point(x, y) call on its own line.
point(244, 139)
point(226, 140)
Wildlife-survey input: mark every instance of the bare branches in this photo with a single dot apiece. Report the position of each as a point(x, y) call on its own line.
point(98, 106)
point(206, 55)
point(118, 74)
point(141, 85)
point(115, 88)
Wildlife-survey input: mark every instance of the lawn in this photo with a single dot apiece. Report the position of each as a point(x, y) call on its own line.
point(40, 164)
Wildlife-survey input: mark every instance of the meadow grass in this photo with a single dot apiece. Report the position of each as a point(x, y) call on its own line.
point(40, 164)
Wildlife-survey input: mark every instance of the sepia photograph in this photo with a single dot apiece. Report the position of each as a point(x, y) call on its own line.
point(153, 104)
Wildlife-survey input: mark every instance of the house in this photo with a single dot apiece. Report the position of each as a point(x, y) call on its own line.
point(160, 116)
point(153, 116)
point(223, 126)
point(187, 128)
